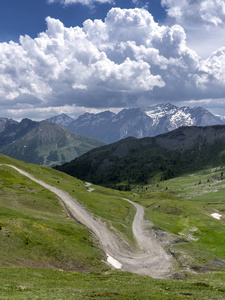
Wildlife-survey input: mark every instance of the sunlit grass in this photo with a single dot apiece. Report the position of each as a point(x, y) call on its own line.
point(36, 233)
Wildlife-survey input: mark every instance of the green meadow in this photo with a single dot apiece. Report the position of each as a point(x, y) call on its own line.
point(47, 255)
point(31, 283)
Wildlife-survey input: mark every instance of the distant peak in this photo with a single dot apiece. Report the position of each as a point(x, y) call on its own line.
point(161, 106)
point(63, 115)
point(26, 121)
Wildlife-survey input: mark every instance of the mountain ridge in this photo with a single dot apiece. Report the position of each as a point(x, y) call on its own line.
point(137, 122)
point(165, 156)
point(43, 142)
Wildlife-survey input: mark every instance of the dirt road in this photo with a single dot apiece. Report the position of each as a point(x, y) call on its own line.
point(148, 259)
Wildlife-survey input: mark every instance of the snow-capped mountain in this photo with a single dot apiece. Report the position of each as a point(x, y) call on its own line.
point(171, 117)
point(137, 122)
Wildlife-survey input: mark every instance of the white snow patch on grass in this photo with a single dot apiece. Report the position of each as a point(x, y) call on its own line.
point(112, 261)
point(87, 184)
point(216, 216)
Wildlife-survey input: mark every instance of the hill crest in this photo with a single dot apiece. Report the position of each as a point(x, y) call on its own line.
point(135, 161)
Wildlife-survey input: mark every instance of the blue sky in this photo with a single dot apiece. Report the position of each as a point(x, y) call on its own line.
point(20, 17)
point(73, 56)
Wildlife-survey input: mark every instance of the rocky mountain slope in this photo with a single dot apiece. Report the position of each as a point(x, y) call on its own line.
point(4, 122)
point(43, 143)
point(132, 160)
point(137, 122)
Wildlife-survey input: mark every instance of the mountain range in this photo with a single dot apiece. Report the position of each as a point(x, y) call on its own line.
point(61, 138)
point(137, 122)
point(42, 143)
point(132, 160)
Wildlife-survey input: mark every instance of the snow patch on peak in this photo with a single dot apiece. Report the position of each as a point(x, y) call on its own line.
point(222, 118)
point(159, 111)
point(182, 118)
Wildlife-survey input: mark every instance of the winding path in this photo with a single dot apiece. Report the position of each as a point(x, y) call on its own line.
point(150, 258)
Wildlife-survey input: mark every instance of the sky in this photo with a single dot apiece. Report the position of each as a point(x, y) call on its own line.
point(77, 56)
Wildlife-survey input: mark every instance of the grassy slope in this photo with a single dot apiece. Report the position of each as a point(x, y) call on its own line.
point(201, 238)
point(103, 202)
point(18, 194)
point(35, 230)
point(51, 284)
point(40, 235)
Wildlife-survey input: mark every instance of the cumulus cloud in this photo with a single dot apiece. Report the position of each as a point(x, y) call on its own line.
point(126, 60)
point(203, 21)
point(212, 73)
point(210, 12)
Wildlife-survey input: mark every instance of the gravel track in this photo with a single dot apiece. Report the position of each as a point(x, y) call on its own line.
point(148, 259)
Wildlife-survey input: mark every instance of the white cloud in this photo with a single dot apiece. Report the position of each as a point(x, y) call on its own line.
point(213, 11)
point(203, 21)
point(213, 71)
point(84, 2)
point(210, 12)
point(79, 86)
point(126, 60)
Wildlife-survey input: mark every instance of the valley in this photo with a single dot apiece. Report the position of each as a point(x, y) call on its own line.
point(36, 233)
point(112, 150)
point(149, 211)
